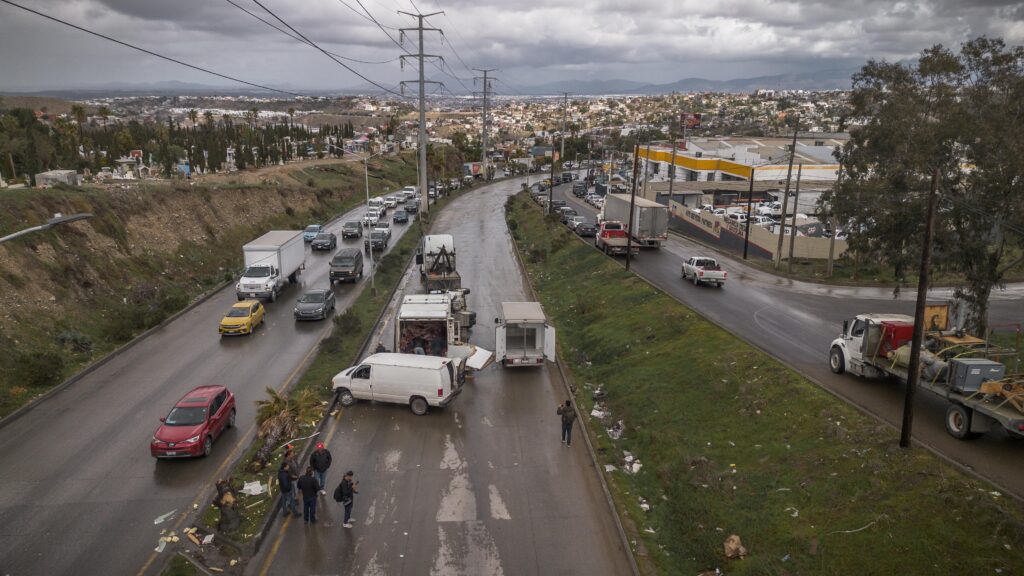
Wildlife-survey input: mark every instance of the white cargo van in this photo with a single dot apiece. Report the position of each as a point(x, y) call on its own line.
point(415, 380)
point(522, 336)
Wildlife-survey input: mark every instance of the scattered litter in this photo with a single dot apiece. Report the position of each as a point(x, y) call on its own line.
point(256, 503)
point(705, 486)
point(334, 413)
point(610, 468)
point(254, 488)
point(160, 547)
point(213, 569)
point(233, 562)
point(599, 414)
point(864, 527)
point(644, 505)
point(649, 530)
point(632, 463)
point(193, 538)
point(783, 490)
point(163, 518)
point(795, 514)
point(733, 547)
point(731, 443)
point(995, 494)
point(1007, 546)
point(195, 506)
point(785, 558)
point(208, 539)
point(615, 432)
point(175, 539)
point(599, 394)
point(717, 529)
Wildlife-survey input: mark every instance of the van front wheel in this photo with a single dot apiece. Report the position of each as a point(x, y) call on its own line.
point(418, 405)
point(346, 398)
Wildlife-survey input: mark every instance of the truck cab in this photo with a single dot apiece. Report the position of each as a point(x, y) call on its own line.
point(865, 341)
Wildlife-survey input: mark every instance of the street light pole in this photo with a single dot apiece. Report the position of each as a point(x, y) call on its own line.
point(366, 177)
point(750, 201)
point(57, 219)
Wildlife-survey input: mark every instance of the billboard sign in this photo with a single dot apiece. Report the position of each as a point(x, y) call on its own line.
point(689, 120)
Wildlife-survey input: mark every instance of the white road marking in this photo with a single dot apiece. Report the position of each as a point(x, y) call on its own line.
point(458, 503)
point(498, 509)
point(391, 460)
point(487, 421)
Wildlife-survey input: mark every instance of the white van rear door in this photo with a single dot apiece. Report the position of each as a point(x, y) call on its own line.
point(549, 342)
point(500, 348)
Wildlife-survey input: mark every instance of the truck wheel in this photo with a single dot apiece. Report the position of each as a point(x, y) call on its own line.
point(696, 281)
point(958, 422)
point(418, 405)
point(273, 296)
point(345, 397)
point(836, 361)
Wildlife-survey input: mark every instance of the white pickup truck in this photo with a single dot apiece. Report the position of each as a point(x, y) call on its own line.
point(704, 270)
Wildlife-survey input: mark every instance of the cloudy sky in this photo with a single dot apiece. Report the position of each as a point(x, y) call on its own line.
point(530, 41)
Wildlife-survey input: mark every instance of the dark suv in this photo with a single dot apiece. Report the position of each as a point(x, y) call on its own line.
point(351, 229)
point(378, 240)
point(346, 266)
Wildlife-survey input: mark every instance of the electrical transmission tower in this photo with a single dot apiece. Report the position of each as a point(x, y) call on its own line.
point(421, 58)
point(486, 81)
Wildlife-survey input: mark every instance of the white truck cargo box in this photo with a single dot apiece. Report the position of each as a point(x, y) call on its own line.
point(523, 336)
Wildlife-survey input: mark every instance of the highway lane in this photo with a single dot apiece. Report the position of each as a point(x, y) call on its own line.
point(79, 491)
point(482, 487)
point(797, 321)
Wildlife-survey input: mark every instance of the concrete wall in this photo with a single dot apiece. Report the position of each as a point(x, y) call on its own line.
point(727, 234)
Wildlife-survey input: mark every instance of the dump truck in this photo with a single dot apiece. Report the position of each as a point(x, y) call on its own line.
point(436, 258)
point(649, 227)
point(271, 261)
point(981, 397)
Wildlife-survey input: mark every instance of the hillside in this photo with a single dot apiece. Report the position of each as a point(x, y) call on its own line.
point(72, 294)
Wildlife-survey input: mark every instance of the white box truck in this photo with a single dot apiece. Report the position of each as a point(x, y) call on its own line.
point(271, 260)
point(415, 380)
point(432, 322)
point(522, 335)
point(650, 219)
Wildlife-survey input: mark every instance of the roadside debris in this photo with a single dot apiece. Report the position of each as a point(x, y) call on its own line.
point(610, 468)
point(163, 518)
point(733, 547)
point(795, 514)
point(615, 432)
point(599, 394)
point(632, 463)
point(643, 504)
point(254, 488)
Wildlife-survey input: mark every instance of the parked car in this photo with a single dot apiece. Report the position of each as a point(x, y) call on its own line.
point(566, 214)
point(557, 203)
point(737, 217)
point(346, 266)
point(377, 240)
point(400, 217)
point(196, 420)
point(586, 230)
point(311, 231)
point(575, 221)
point(316, 304)
point(324, 241)
point(242, 318)
point(762, 221)
point(351, 229)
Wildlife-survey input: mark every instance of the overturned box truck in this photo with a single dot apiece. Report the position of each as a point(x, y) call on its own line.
point(523, 336)
point(271, 261)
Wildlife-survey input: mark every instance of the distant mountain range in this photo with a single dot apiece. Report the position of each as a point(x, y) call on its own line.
point(816, 80)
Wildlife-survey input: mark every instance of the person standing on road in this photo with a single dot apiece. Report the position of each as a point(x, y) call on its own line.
point(320, 460)
point(285, 479)
point(347, 490)
point(309, 488)
point(568, 414)
point(293, 469)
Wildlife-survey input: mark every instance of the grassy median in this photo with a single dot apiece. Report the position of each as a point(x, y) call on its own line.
point(733, 442)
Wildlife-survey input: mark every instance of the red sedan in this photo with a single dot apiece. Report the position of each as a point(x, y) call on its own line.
point(194, 422)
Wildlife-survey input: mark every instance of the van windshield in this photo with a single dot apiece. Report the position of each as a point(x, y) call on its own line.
point(344, 261)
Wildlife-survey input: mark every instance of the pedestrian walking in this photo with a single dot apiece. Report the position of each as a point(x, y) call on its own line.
point(293, 467)
point(568, 414)
point(320, 461)
point(309, 488)
point(286, 481)
point(345, 493)
point(380, 348)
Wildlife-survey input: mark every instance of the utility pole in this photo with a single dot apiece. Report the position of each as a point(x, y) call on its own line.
point(551, 188)
point(785, 195)
point(632, 205)
point(565, 111)
point(487, 87)
point(750, 202)
point(792, 230)
point(672, 162)
point(914, 370)
point(832, 223)
point(422, 140)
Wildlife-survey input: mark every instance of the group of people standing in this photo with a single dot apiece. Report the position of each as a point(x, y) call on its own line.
point(311, 484)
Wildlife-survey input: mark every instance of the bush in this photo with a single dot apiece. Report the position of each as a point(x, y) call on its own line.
point(39, 369)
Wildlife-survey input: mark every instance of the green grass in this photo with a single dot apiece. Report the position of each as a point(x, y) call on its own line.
point(338, 351)
point(179, 566)
point(733, 442)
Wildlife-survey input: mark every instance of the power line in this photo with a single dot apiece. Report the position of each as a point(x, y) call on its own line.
point(294, 37)
point(365, 17)
point(150, 52)
point(326, 53)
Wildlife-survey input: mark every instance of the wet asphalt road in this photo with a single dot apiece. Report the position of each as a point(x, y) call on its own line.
point(797, 321)
point(482, 487)
point(79, 491)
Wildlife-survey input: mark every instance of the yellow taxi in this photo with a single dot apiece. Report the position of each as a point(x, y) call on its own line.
point(242, 318)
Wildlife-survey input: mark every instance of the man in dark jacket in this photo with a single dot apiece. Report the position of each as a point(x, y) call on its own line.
point(293, 468)
point(309, 488)
point(568, 414)
point(348, 490)
point(284, 480)
point(320, 461)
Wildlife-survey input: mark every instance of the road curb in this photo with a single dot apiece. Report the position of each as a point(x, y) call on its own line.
point(609, 500)
point(112, 355)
